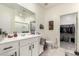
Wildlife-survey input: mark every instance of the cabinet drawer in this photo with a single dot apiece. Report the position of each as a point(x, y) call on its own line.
point(27, 41)
point(8, 46)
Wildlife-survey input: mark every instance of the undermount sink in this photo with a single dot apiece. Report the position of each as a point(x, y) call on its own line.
point(24, 34)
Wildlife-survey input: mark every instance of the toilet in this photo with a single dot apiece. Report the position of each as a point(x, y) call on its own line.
point(50, 44)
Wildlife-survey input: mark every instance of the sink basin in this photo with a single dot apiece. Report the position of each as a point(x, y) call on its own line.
point(23, 34)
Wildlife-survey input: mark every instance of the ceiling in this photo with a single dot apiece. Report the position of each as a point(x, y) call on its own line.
point(48, 5)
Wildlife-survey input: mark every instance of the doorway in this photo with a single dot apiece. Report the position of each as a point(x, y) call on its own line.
point(68, 29)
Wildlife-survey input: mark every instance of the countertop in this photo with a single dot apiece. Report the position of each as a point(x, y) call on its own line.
point(18, 38)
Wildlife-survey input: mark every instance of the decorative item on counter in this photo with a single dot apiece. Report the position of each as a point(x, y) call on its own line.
point(15, 34)
point(41, 26)
point(10, 35)
point(4, 34)
point(32, 27)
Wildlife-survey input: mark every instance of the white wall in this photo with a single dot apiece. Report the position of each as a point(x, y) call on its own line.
point(68, 19)
point(6, 17)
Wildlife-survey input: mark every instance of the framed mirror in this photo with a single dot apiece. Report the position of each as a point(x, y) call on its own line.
point(17, 18)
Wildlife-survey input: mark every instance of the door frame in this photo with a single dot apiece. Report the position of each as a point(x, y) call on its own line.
point(76, 27)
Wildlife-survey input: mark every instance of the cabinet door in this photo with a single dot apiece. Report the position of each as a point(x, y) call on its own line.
point(25, 50)
point(35, 49)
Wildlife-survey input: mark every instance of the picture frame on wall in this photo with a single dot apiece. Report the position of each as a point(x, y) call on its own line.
point(51, 25)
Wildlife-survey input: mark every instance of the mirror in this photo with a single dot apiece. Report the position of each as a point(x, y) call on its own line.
point(15, 18)
point(21, 27)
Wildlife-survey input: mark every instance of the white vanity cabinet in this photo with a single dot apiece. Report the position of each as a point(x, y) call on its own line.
point(25, 46)
point(29, 47)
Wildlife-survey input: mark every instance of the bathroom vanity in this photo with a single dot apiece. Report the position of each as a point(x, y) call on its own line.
point(20, 46)
point(15, 18)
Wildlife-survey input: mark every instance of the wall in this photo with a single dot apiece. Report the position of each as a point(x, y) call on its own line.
point(54, 14)
point(68, 19)
point(6, 17)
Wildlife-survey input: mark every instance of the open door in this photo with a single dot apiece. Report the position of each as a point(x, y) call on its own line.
point(68, 31)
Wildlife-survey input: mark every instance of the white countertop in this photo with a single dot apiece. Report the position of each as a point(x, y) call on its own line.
point(18, 38)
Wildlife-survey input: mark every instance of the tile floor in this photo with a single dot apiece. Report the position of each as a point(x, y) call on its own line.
point(58, 52)
point(66, 49)
point(67, 45)
point(54, 52)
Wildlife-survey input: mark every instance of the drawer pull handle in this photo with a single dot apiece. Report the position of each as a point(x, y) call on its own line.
point(15, 53)
point(7, 48)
